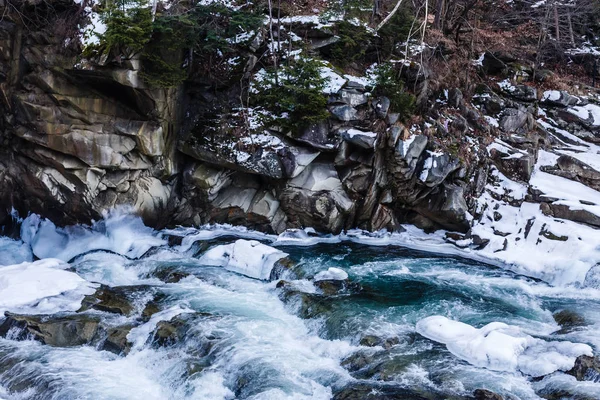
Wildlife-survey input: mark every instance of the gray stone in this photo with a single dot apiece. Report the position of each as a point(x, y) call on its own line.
point(409, 152)
point(352, 97)
point(522, 93)
point(516, 121)
point(319, 136)
point(365, 140)
point(294, 159)
point(447, 208)
point(564, 99)
point(209, 180)
point(382, 106)
point(53, 331)
point(344, 113)
point(437, 167)
point(455, 98)
point(316, 198)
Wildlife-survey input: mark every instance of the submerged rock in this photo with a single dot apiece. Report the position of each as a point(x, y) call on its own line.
point(483, 394)
point(111, 299)
point(375, 391)
point(586, 368)
point(116, 340)
point(69, 331)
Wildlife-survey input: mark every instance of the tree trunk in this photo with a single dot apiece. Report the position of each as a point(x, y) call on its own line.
point(390, 15)
point(438, 22)
point(556, 26)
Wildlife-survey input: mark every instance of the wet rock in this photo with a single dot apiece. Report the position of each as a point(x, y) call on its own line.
point(152, 307)
point(169, 333)
point(568, 320)
point(69, 331)
point(373, 340)
point(108, 299)
point(116, 340)
point(309, 305)
point(483, 394)
point(357, 361)
point(586, 368)
point(331, 287)
point(168, 275)
point(373, 391)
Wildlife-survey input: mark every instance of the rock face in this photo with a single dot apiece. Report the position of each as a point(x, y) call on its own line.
point(75, 141)
point(78, 138)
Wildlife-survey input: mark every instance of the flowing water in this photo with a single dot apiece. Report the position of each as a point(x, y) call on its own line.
point(251, 339)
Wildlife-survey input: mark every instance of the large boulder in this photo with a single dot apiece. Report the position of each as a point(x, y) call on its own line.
point(365, 140)
point(446, 207)
point(54, 331)
point(407, 154)
point(316, 198)
point(318, 136)
point(436, 168)
point(516, 121)
point(516, 164)
point(558, 98)
point(246, 203)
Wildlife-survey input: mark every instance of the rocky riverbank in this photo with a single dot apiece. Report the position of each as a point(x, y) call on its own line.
point(512, 171)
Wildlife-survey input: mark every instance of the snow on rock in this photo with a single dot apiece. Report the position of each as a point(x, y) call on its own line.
point(332, 274)
point(334, 82)
point(559, 252)
point(501, 347)
point(563, 191)
point(366, 140)
point(41, 287)
point(119, 232)
point(589, 112)
point(246, 257)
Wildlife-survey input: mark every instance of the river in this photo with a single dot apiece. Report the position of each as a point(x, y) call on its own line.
point(284, 338)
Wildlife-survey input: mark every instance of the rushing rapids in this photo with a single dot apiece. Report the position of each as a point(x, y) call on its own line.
point(117, 310)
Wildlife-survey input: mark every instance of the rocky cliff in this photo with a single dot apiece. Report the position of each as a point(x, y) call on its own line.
point(80, 136)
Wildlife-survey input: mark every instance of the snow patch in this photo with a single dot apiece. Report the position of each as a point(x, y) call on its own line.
point(332, 274)
point(246, 257)
point(501, 347)
point(41, 287)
